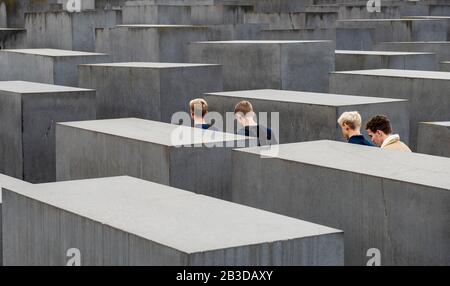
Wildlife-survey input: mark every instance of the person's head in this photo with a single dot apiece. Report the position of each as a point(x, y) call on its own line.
point(350, 123)
point(378, 128)
point(243, 112)
point(198, 108)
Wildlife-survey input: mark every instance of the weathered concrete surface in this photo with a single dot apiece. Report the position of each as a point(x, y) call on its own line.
point(445, 66)
point(152, 43)
point(363, 60)
point(362, 34)
point(28, 114)
point(445, 18)
point(45, 65)
point(68, 31)
point(402, 210)
point(152, 91)
point(423, 89)
point(434, 138)
point(297, 20)
point(441, 49)
point(295, 65)
point(156, 14)
point(219, 14)
point(11, 184)
point(127, 221)
point(279, 6)
point(298, 34)
point(150, 150)
point(12, 38)
point(16, 9)
point(305, 116)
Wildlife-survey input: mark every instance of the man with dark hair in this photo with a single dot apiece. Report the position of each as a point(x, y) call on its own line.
point(380, 131)
point(244, 114)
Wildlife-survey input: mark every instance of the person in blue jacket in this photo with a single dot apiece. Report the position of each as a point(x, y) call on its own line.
point(350, 123)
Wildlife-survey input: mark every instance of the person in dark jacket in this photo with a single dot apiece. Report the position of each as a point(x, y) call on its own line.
point(199, 108)
point(350, 123)
point(245, 115)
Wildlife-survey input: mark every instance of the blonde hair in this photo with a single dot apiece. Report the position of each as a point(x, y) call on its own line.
point(197, 103)
point(243, 107)
point(350, 118)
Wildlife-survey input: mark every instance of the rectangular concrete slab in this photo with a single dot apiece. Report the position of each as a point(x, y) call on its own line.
point(12, 38)
point(7, 183)
point(362, 60)
point(425, 90)
point(434, 138)
point(362, 34)
point(66, 30)
point(306, 116)
point(392, 201)
point(51, 66)
point(445, 66)
point(28, 114)
point(295, 65)
point(127, 221)
point(145, 90)
point(179, 156)
point(146, 13)
point(146, 42)
point(441, 49)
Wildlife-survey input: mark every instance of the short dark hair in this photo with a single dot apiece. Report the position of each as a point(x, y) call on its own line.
point(379, 122)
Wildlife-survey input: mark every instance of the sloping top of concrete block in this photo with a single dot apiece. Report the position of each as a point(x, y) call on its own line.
point(400, 166)
point(10, 183)
point(154, 131)
point(400, 73)
point(172, 217)
point(379, 53)
point(52, 52)
point(12, 29)
point(442, 123)
point(427, 17)
point(263, 42)
point(301, 97)
point(150, 65)
point(34, 87)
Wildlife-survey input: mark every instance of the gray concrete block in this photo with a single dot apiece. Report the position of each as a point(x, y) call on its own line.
point(364, 60)
point(150, 150)
point(7, 183)
point(219, 14)
point(362, 34)
point(445, 18)
point(12, 38)
point(296, 20)
point(127, 221)
point(45, 65)
point(445, 66)
point(393, 201)
point(425, 91)
point(298, 34)
point(305, 116)
point(280, 6)
point(156, 14)
point(153, 43)
point(152, 91)
point(434, 138)
point(295, 65)
point(441, 49)
point(68, 31)
point(28, 114)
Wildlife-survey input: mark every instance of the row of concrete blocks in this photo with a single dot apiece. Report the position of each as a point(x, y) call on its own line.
point(157, 91)
point(400, 211)
point(296, 65)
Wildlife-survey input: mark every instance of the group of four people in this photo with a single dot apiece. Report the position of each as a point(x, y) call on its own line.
point(379, 127)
